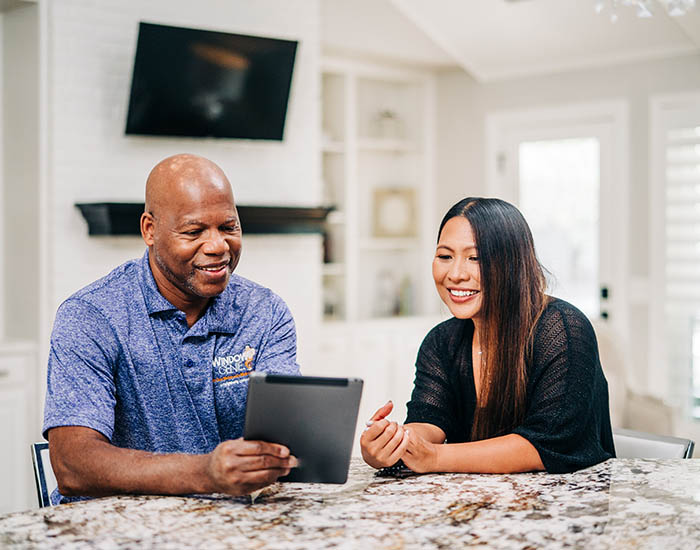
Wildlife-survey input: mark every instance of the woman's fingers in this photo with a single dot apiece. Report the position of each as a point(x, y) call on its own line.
point(382, 412)
point(400, 450)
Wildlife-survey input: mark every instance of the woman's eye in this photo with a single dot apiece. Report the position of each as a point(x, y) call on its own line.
point(473, 258)
point(444, 256)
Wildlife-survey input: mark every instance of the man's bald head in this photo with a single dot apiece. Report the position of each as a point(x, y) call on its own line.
point(183, 173)
point(192, 231)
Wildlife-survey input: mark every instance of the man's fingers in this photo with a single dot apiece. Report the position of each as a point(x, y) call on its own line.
point(243, 447)
point(255, 463)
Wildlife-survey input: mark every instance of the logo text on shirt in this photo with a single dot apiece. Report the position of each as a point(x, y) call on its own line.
point(230, 367)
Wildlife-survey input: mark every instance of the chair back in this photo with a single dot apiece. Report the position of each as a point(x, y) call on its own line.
point(43, 473)
point(633, 444)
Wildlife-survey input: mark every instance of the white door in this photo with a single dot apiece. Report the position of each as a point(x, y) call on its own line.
point(562, 168)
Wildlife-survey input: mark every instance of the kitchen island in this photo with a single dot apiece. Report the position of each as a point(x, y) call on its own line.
point(621, 503)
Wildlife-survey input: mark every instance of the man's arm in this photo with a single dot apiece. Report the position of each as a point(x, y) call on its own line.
point(86, 463)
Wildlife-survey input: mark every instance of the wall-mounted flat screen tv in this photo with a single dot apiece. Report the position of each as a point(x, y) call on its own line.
point(191, 82)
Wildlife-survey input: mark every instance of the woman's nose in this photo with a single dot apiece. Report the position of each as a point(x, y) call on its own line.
point(458, 272)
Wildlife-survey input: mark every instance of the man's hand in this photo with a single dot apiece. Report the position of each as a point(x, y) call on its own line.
point(239, 467)
point(87, 464)
point(383, 443)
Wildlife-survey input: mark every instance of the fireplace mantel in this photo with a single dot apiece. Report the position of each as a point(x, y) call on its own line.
point(122, 218)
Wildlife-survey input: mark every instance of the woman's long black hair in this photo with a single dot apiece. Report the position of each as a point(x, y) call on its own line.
point(512, 299)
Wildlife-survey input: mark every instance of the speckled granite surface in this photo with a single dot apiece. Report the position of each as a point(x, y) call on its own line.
point(617, 504)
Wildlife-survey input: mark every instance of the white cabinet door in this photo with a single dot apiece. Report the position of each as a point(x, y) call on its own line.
point(15, 456)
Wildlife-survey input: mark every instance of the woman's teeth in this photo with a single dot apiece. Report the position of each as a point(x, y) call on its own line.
point(462, 293)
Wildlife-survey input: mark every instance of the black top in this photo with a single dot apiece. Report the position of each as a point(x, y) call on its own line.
point(567, 416)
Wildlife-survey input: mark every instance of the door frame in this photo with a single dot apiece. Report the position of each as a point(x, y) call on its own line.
point(613, 114)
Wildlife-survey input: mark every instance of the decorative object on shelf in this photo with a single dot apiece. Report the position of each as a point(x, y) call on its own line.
point(122, 218)
point(394, 212)
point(386, 299)
point(332, 301)
point(645, 8)
point(406, 296)
point(388, 124)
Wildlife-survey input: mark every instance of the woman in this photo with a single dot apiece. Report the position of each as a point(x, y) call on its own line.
point(511, 383)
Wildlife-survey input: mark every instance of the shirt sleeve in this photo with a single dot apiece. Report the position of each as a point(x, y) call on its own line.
point(279, 353)
point(80, 382)
point(433, 398)
point(567, 418)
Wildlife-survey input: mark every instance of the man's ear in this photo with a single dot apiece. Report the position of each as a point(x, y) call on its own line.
point(147, 228)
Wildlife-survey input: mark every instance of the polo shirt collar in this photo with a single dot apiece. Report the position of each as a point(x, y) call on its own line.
point(155, 301)
point(220, 316)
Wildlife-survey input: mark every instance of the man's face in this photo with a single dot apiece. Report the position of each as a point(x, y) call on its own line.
point(196, 241)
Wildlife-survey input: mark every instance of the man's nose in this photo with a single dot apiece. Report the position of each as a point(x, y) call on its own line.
point(215, 244)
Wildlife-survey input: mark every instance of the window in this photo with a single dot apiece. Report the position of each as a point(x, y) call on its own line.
point(675, 253)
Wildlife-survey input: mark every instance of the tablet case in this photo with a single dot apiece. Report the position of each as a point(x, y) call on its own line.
point(314, 417)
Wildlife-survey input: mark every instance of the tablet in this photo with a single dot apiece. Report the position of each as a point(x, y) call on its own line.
point(314, 417)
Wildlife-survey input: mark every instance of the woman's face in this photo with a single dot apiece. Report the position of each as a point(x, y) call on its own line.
point(456, 269)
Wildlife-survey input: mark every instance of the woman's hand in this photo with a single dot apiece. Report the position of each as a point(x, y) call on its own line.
point(421, 454)
point(383, 442)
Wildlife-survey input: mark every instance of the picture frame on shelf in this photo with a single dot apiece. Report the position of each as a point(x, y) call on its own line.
point(394, 212)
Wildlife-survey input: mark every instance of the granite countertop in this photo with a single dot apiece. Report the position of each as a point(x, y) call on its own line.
point(617, 504)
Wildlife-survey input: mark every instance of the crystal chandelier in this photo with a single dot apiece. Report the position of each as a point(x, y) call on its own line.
point(645, 8)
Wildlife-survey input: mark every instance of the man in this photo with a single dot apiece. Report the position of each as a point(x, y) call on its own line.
point(148, 367)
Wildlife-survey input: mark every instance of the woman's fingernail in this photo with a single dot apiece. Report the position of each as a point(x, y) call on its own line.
point(369, 423)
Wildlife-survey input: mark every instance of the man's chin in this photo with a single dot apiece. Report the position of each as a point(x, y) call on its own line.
point(210, 289)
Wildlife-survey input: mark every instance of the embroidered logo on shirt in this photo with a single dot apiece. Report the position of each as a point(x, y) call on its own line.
point(233, 367)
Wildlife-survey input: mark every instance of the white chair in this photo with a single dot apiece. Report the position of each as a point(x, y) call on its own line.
point(633, 444)
point(43, 473)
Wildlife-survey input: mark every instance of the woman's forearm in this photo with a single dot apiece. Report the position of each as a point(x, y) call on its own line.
point(499, 455)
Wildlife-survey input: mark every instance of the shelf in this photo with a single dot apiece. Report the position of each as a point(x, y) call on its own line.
point(334, 147)
point(384, 145)
point(333, 270)
point(336, 217)
point(405, 243)
point(122, 218)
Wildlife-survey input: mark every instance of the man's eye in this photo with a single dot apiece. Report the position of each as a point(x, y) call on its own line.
point(230, 228)
point(193, 232)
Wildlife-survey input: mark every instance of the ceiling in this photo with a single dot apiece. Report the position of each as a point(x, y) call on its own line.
point(500, 39)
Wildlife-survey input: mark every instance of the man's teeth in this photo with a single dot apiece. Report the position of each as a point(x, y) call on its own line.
point(462, 293)
point(216, 268)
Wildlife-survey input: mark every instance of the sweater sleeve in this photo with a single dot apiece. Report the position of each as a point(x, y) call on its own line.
point(433, 400)
point(567, 418)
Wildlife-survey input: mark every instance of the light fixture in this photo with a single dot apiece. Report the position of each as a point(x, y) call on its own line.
point(645, 8)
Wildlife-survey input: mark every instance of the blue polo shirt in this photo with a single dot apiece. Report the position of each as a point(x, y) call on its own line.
point(124, 362)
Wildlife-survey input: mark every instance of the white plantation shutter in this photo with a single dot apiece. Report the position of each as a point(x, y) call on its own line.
point(678, 138)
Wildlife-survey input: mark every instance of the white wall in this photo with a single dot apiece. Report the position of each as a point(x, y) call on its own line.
point(87, 63)
point(91, 50)
point(462, 108)
point(20, 172)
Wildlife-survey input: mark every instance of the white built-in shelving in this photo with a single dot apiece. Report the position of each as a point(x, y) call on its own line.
point(377, 165)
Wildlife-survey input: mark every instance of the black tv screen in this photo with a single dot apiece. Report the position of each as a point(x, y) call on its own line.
point(191, 82)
